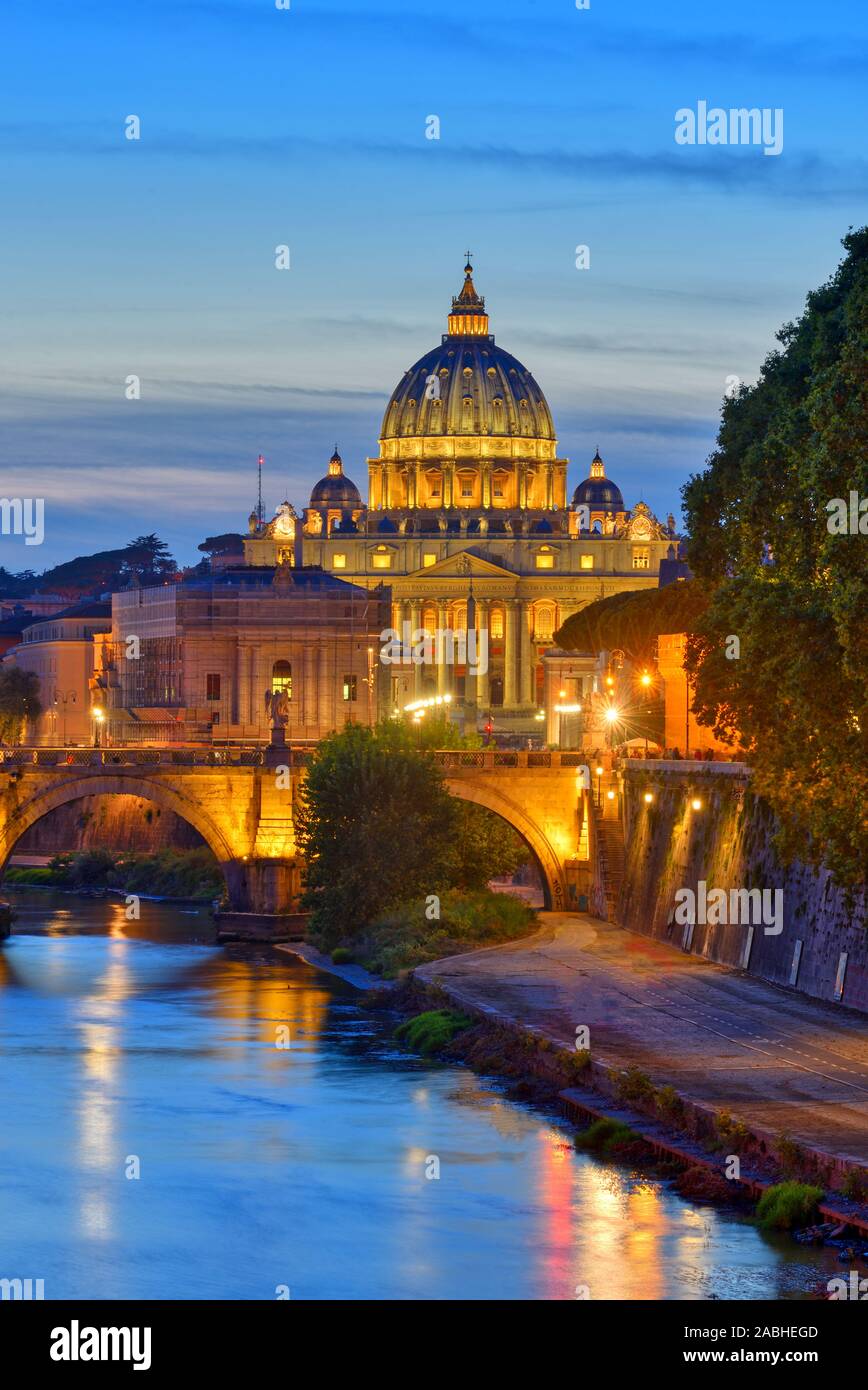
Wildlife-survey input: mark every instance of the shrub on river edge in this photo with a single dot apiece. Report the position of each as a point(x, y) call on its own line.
point(191, 874)
point(431, 1031)
point(404, 937)
point(788, 1204)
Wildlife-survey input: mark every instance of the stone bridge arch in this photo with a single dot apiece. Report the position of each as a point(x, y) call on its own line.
point(162, 794)
point(547, 857)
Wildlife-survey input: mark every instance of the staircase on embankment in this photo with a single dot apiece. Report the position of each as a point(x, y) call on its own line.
point(610, 860)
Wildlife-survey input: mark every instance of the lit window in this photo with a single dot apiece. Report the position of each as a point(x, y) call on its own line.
point(466, 489)
point(428, 560)
point(586, 562)
point(495, 624)
point(339, 562)
point(350, 687)
point(281, 679)
point(212, 686)
point(544, 624)
point(381, 560)
point(545, 560)
point(641, 558)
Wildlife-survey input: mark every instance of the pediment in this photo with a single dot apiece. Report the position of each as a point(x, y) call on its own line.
point(462, 565)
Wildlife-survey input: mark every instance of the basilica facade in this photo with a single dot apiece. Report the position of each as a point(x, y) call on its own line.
point(468, 512)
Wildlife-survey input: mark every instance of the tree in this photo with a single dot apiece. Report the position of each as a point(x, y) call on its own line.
point(485, 847)
point(148, 559)
point(376, 825)
point(633, 620)
point(19, 701)
point(790, 585)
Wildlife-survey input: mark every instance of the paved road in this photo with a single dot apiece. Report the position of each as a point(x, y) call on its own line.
point(781, 1062)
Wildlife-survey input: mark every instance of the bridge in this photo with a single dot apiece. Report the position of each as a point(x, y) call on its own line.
point(241, 801)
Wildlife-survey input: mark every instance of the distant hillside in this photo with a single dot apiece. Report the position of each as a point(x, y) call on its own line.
point(147, 558)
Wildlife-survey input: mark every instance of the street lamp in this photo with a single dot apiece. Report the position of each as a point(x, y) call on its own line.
point(98, 720)
point(599, 772)
point(64, 699)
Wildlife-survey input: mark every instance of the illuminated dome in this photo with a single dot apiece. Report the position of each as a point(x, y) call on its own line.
point(468, 385)
point(597, 491)
point(335, 490)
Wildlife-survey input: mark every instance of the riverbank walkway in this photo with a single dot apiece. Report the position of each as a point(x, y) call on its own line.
point(782, 1063)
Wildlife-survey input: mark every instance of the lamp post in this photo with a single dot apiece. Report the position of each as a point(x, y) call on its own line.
point(64, 699)
point(98, 720)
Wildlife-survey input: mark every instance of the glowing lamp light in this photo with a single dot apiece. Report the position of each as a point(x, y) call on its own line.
point(610, 680)
point(540, 714)
point(649, 797)
point(612, 715)
point(611, 795)
point(599, 771)
point(696, 804)
point(99, 715)
point(645, 678)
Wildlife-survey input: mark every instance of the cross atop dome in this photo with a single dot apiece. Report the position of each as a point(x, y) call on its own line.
point(468, 317)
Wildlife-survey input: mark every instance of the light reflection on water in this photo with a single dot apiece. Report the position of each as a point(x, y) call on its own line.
point(305, 1166)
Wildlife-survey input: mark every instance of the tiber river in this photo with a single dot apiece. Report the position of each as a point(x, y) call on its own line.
point(138, 1045)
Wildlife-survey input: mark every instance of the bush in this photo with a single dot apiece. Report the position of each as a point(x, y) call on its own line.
point(606, 1136)
point(341, 956)
point(405, 937)
point(634, 1087)
point(431, 1031)
point(788, 1204)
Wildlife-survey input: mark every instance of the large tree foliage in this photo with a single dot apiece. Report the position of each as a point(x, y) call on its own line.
point(19, 701)
point(633, 620)
point(376, 827)
point(793, 591)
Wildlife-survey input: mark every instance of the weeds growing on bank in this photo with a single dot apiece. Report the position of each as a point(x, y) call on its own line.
point(405, 937)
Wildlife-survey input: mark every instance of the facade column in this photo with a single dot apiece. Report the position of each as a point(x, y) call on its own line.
point(483, 620)
point(509, 654)
point(324, 697)
point(309, 687)
point(443, 679)
point(527, 687)
point(418, 668)
point(242, 685)
point(486, 484)
point(259, 685)
point(549, 487)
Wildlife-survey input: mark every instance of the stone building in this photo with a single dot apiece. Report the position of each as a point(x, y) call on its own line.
point(193, 662)
point(61, 651)
point(468, 499)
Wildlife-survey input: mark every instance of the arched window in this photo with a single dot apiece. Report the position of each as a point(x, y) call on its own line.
point(495, 624)
point(544, 622)
point(281, 678)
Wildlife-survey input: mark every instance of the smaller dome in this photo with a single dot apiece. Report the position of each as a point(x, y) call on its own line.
point(335, 490)
point(597, 491)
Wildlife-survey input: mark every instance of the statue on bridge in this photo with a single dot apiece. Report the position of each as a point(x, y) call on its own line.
point(277, 705)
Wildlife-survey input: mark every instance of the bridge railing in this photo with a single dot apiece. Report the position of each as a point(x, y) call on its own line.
point(256, 755)
point(141, 757)
point(509, 757)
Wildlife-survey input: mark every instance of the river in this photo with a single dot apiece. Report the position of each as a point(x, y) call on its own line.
point(265, 1170)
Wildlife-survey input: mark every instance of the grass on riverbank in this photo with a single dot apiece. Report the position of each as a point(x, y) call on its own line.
point(191, 874)
point(788, 1204)
point(431, 1031)
point(405, 937)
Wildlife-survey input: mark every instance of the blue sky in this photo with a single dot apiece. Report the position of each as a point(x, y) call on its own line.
point(307, 127)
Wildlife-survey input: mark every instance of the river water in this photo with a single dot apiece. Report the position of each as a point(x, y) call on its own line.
point(138, 1047)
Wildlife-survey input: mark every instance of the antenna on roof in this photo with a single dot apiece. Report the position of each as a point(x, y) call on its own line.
point(260, 462)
